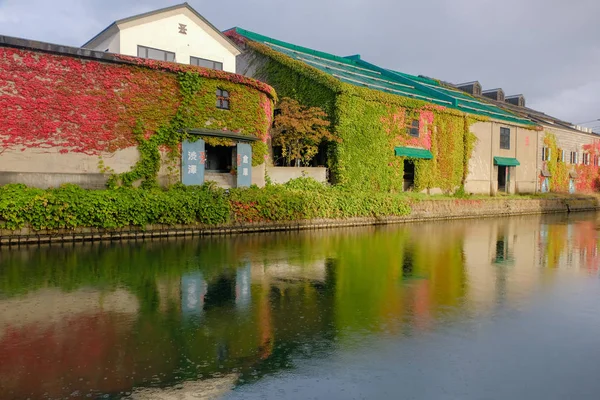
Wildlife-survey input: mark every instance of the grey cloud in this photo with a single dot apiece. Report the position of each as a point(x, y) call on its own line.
point(546, 49)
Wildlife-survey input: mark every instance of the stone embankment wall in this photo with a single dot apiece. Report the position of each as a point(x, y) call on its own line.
point(421, 211)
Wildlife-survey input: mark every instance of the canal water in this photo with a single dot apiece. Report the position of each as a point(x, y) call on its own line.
point(475, 309)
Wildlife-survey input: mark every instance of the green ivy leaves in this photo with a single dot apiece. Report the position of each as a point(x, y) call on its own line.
point(71, 207)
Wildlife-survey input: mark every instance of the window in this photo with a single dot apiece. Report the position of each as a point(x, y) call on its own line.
point(505, 138)
point(223, 99)
point(546, 153)
point(586, 159)
point(561, 154)
point(574, 157)
point(201, 62)
point(413, 129)
point(155, 54)
point(596, 161)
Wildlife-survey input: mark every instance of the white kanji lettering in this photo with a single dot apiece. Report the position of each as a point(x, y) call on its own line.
point(245, 171)
point(192, 156)
point(245, 159)
point(192, 169)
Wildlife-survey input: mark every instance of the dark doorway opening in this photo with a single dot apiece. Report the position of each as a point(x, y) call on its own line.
point(409, 175)
point(219, 158)
point(502, 178)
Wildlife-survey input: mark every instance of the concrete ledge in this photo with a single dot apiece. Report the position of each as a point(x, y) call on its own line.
point(284, 174)
point(53, 180)
point(421, 211)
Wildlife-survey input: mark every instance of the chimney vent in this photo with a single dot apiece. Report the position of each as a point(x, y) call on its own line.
point(495, 94)
point(517, 100)
point(473, 88)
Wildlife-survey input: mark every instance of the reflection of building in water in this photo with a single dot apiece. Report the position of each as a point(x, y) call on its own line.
point(500, 258)
point(243, 280)
point(47, 307)
point(193, 291)
point(52, 343)
point(572, 244)
point(202, 389)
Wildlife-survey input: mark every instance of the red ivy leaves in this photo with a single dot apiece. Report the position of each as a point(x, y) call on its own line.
point(84, 106)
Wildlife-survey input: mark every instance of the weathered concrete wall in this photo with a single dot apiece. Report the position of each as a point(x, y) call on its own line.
point(479, 179)
point(46, 168)
point(483, 174)
point(526, 152)
point(284, 174)
point(258, 175)
point(421, 211)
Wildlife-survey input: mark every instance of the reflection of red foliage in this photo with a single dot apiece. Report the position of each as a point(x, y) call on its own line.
point(586, 242)
point(77, 354)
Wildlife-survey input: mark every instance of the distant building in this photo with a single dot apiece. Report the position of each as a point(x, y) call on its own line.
point(178, 33)
point(568, 156)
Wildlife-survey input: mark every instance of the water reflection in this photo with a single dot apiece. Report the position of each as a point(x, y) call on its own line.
point(207, 316)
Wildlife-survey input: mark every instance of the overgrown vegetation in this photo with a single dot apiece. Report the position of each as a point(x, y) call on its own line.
point(70, 206)
point(371, 123)
point(197, 109)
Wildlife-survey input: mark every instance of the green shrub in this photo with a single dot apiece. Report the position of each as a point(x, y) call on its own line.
point(71, 206)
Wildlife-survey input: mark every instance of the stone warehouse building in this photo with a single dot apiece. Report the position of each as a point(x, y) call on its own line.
point(568, 156)
point(399, 131)
point(82, 116)
point(71, 115)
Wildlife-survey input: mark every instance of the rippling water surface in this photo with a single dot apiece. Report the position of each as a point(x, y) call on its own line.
point(484, 309)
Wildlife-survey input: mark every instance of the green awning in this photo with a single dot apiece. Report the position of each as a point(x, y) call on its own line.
point(506, 161)
point(412, 152)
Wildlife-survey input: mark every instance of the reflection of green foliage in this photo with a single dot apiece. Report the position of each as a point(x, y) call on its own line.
point(369, 279)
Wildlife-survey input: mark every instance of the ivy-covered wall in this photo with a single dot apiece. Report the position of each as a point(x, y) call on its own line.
point(371, 124)
point(588, 175)
point(57, 103)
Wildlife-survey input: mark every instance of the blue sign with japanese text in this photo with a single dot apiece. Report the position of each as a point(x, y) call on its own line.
point(244, 165)
point(193, 158)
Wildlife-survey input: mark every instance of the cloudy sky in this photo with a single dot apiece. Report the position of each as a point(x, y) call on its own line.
point(549, 50)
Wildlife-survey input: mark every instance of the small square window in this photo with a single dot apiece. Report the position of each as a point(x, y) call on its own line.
point(222, 99)
point(574, 157)
point(546, 153)
point(505, 138)
point(413, 130)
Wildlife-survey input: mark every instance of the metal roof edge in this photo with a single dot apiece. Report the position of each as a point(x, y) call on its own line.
point(257, 37)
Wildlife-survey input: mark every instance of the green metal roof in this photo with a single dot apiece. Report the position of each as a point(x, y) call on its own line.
point(412, 152)
point(358, 72)
point(506, 161)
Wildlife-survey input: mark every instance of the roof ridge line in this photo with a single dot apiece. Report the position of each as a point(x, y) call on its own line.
point(319, 53)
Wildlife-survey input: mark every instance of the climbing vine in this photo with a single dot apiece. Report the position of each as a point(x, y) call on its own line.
point(73, 105)
point(195, 109)
point(588, 175)
point(588, 179)
point(370, 124)
point(557, 168)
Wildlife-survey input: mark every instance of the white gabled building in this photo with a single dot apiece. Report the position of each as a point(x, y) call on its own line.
point(178, 33)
